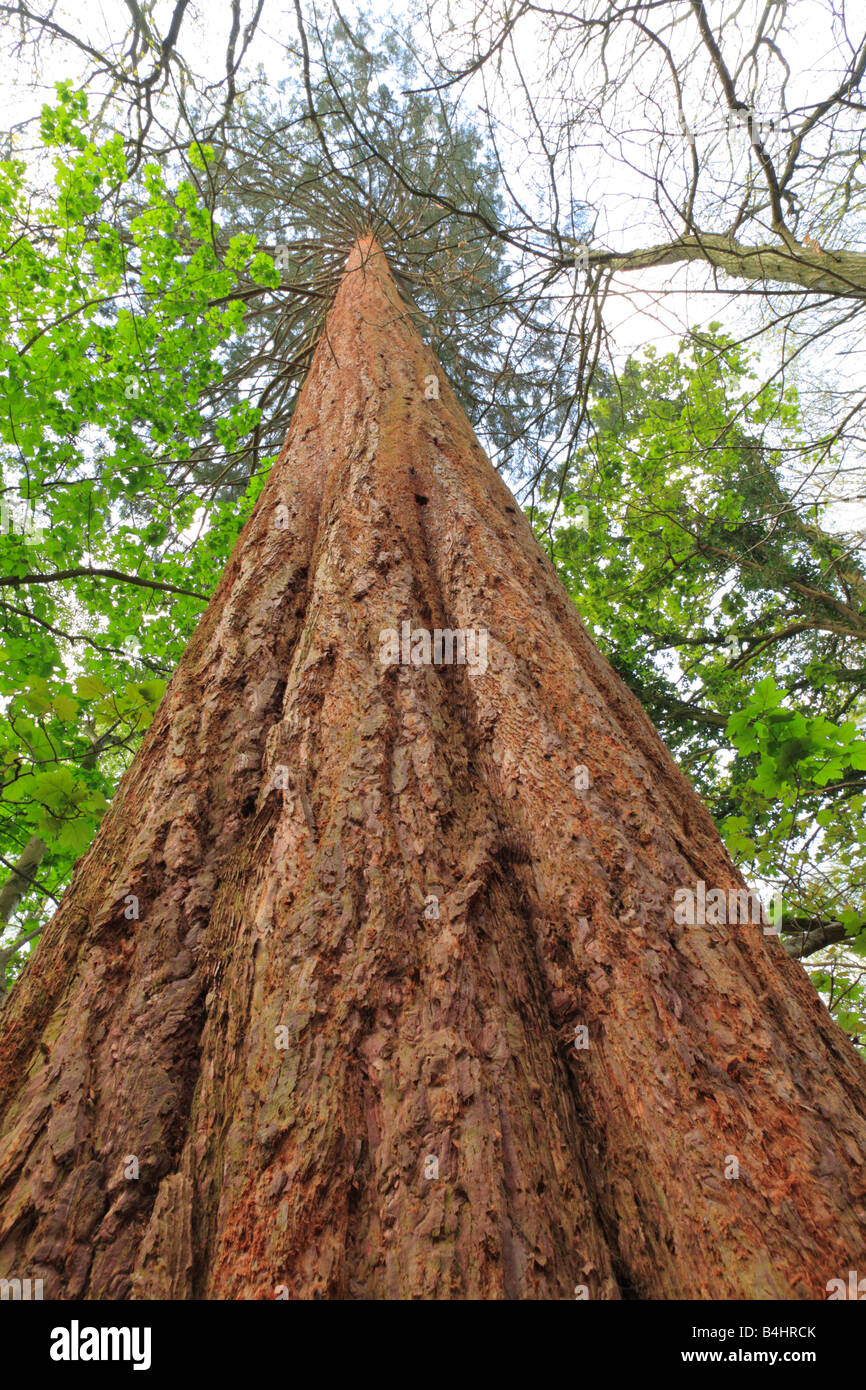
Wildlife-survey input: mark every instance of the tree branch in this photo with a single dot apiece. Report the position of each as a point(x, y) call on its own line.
point(84, 572)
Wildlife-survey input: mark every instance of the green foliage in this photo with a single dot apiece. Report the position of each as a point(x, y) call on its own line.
point(110, 343)
point(149, 366)
point(735, 615)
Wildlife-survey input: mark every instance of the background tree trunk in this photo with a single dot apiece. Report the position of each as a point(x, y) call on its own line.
point(21, 877)
point(17, 884)
point(293, 807)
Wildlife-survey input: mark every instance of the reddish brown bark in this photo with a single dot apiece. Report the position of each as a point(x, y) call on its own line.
point(411, 1037)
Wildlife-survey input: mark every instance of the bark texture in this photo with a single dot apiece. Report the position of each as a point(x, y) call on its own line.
point(285, 1042)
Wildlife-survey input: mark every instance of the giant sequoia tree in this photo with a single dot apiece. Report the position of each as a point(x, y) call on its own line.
point(371, 984)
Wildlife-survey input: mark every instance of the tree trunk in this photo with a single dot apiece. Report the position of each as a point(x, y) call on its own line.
point(326, 1089)
point(21, 878)
point(19, 882)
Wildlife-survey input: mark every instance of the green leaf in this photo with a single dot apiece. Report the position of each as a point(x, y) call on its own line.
point(91, 688)
point(65, 707)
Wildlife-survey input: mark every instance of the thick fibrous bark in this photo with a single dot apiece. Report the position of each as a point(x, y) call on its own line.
point(289, 1041)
